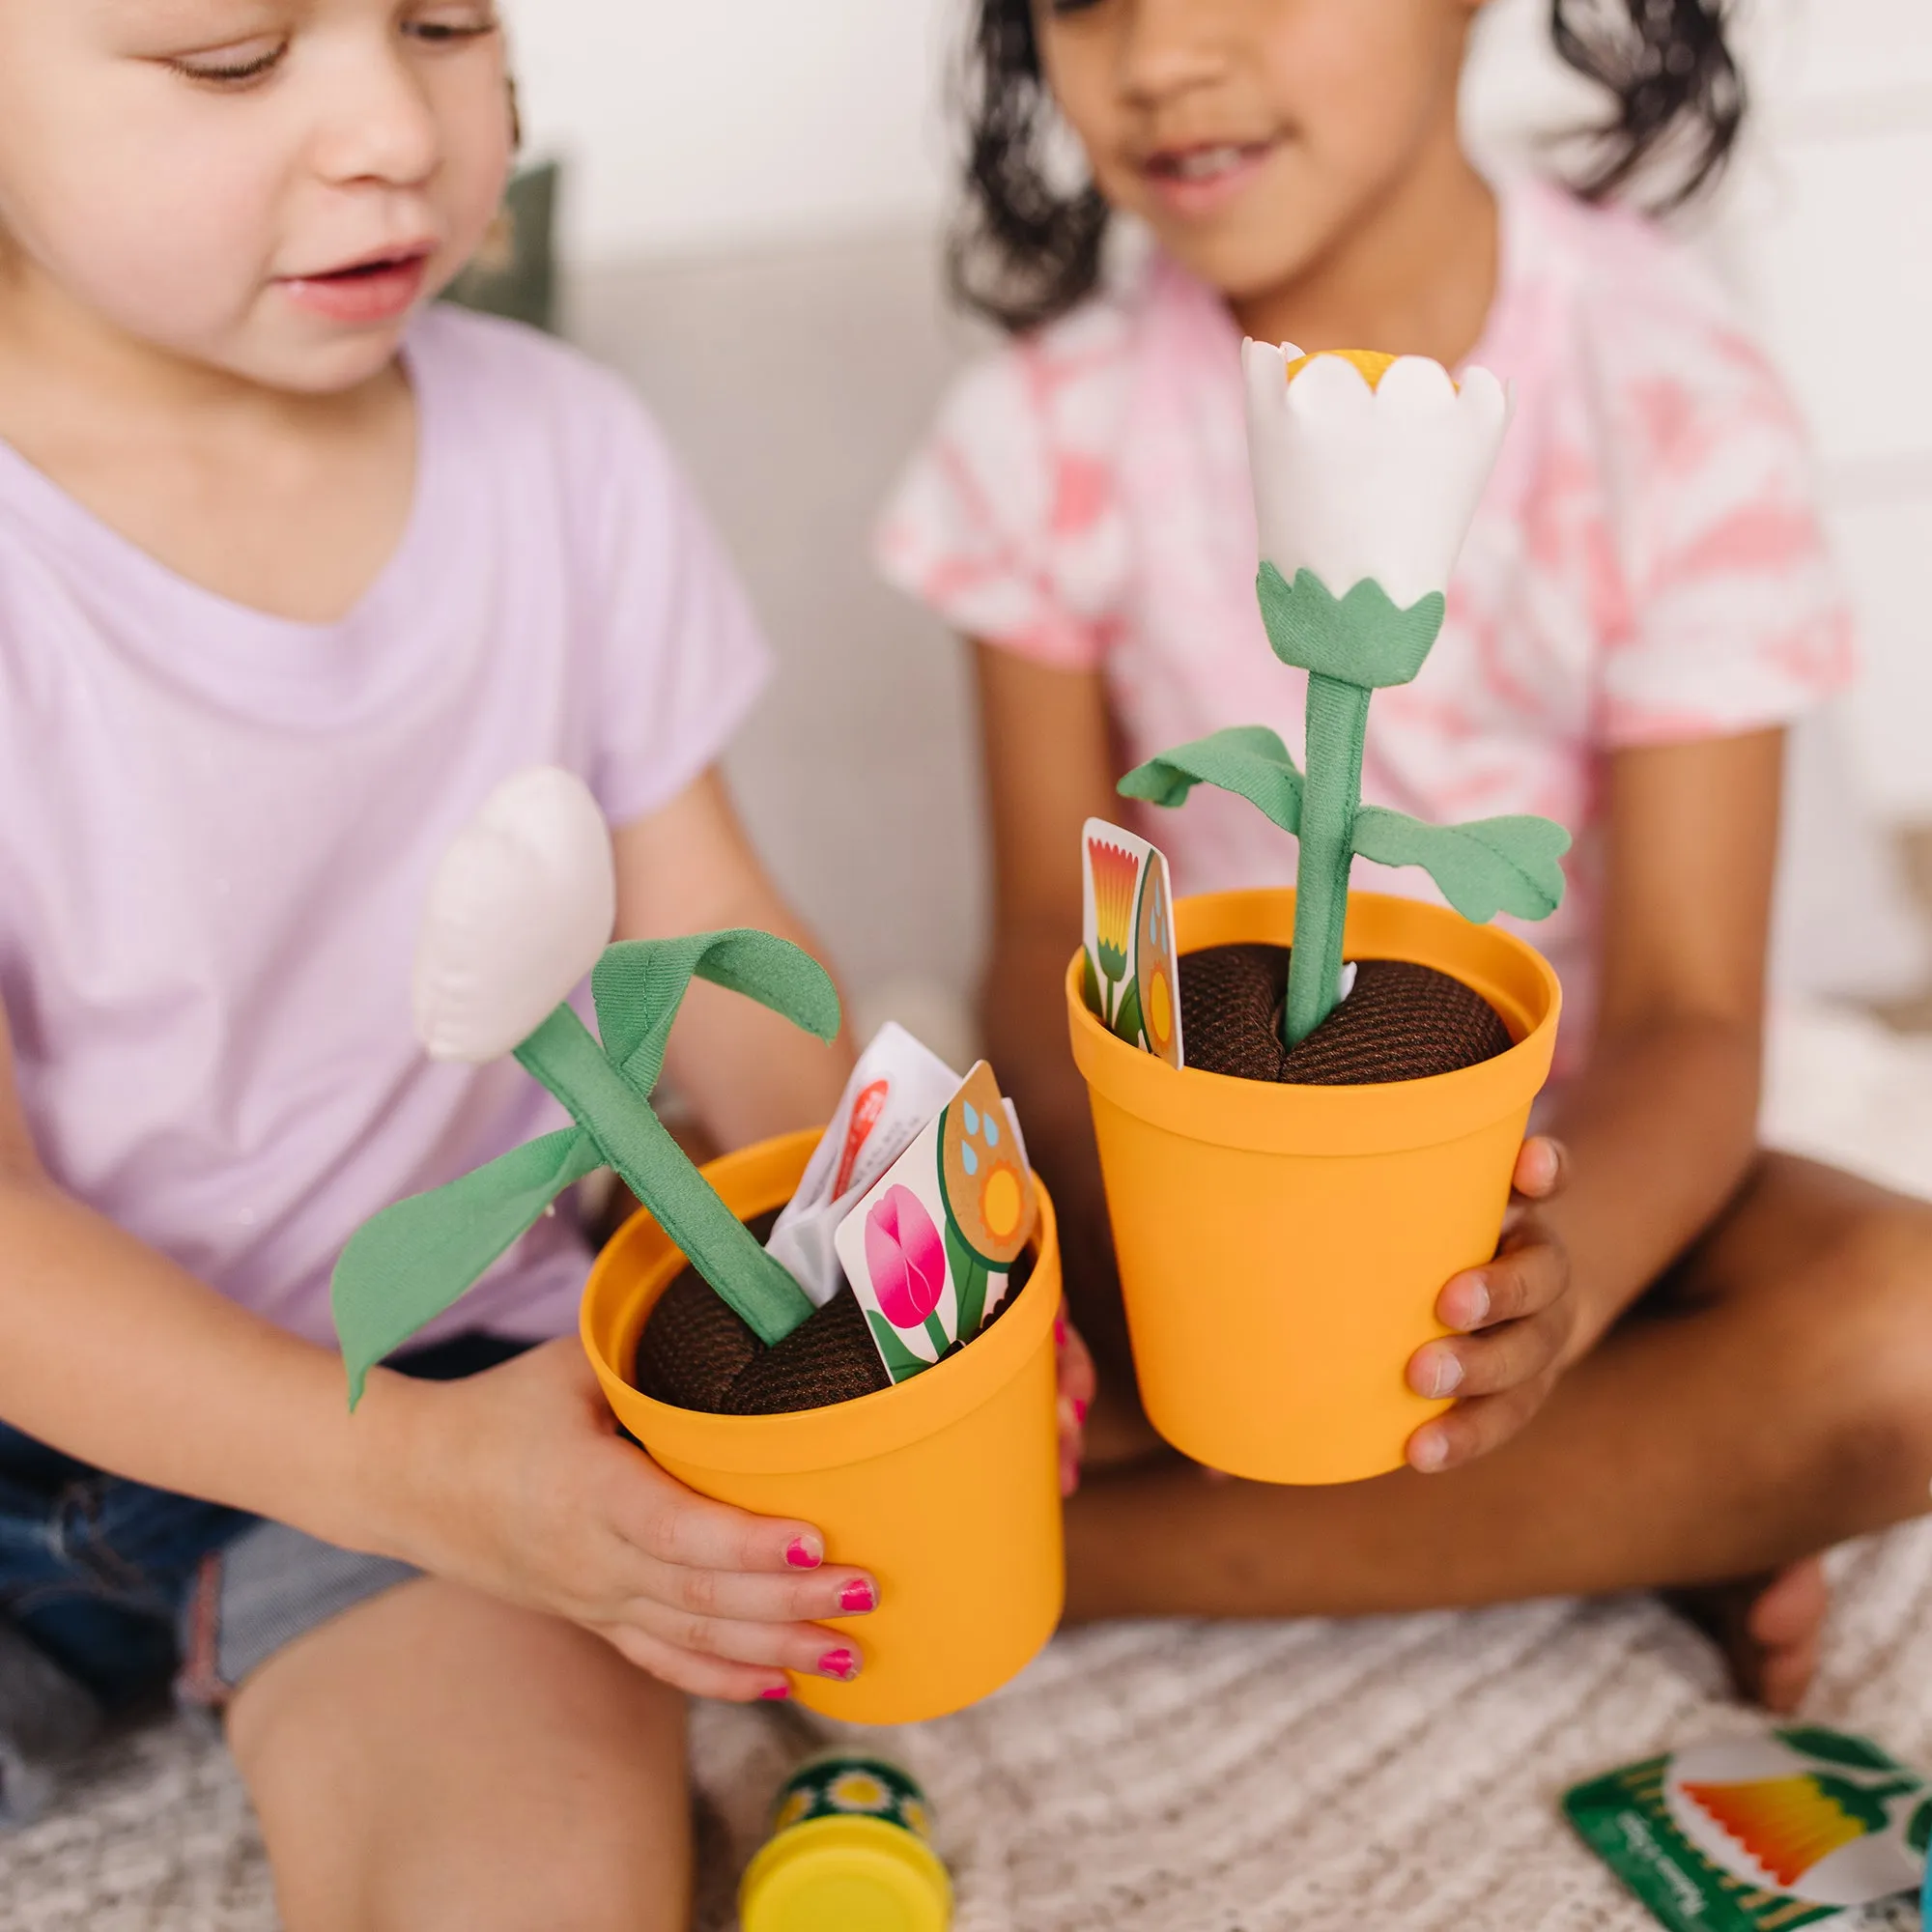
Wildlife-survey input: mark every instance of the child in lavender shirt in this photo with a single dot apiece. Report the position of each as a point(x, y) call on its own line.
point(291, 574)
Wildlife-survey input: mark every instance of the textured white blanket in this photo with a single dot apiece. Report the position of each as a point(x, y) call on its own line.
point(1308, 1776)
point(1396, 1773)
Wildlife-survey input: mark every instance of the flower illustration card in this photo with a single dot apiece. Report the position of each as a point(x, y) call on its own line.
point(929, 1248)
point(1132, 970)
point(896, 1088)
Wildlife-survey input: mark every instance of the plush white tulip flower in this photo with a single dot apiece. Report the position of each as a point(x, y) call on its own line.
point(1367, 469)
point(1366, 466)
point(519, 912)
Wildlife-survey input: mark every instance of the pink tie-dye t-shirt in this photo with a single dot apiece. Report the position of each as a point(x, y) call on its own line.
point(1647, 563)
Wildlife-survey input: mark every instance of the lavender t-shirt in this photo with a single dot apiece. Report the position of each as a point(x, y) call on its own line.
point(217, 827)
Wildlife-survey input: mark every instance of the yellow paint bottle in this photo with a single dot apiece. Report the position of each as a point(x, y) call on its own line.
point(849, 1852)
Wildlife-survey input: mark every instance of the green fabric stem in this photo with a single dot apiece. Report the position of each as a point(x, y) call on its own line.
point(1351, 646)
point(1337, 724)
point(408, 1263)
point(562, 1054)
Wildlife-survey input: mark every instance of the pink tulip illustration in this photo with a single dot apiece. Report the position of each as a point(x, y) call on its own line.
point(907, 1262)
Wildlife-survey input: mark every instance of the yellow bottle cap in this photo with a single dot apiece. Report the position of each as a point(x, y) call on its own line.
point(846, 1875)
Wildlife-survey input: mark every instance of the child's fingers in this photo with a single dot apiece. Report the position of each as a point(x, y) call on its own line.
point(1497, 1360)
point(1541, 1168)
point(664, 1520)
point(1523, 1282)
point(758, 1597)
point(1473, 1429)
point(807, 1649)
point(694, 1675)
point(1078, 1377)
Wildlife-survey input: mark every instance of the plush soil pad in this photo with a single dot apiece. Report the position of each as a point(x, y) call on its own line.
point(1402, 1022)
point(695, 1354)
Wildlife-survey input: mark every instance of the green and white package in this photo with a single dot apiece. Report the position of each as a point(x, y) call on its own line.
point(1803, 1826)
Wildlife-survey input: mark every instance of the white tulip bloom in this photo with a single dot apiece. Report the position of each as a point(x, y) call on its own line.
point(519, 912)
point(1369, 468)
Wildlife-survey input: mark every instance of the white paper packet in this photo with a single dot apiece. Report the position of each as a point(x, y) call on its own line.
point(896, 1088)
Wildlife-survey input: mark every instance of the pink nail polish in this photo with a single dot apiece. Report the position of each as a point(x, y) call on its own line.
point(776, 1693)
point(839, 1663)
point(858, 1596)
point(800, 1556)
point(1079, 1411)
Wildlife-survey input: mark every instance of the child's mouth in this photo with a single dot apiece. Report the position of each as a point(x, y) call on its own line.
point(1201, 179)
point(381, 288)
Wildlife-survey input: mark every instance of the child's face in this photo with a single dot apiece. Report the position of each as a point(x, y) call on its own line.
point(264, 186)
point(1251, 135)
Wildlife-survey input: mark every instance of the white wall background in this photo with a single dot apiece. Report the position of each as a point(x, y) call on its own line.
point(704, 125)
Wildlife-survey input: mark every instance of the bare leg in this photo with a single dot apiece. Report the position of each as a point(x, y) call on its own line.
point(1777, 1401)
point(435, 1759)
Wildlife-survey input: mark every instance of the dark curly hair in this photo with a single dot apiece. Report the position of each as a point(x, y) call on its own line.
point(1026, 247)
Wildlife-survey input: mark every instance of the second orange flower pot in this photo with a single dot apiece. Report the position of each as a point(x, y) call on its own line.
point(946, 1487)
point(1281, 1247)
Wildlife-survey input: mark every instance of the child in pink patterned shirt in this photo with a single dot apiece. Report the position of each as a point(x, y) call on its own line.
point(1691, 1364)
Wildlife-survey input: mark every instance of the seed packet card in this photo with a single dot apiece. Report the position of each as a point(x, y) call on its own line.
point(929, 1248)
point(896, 1088)
point(1132, 972)
point(1801, 1826)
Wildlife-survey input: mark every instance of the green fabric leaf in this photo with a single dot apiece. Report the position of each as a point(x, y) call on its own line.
point(1248, 760)
point(639, 985)
point(1127, 1022)
point(1362, 638)
point(1484, 867)
point(617, 1114)
point(402, 1268)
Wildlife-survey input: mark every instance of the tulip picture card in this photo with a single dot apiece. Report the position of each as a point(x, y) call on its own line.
point(1366, 470)
point(929, 1248)
point(1132, 972)
point(896, 1089)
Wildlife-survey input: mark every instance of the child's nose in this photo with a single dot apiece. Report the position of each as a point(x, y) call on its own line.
point(377, 123)
point(1172, 45)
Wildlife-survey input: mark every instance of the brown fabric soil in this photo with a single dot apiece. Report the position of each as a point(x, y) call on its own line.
point(696, 1353)
point(1402, 1022)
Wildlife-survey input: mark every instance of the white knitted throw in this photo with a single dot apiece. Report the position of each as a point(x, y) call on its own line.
point(1396, 1773)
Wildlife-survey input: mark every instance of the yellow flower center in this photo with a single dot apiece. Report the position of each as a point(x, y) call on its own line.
point(1159, 1009)
point(1371, 364)
point(1000, 1203)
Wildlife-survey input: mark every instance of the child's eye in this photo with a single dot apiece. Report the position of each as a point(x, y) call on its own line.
point(232, 67)
point(442, 26)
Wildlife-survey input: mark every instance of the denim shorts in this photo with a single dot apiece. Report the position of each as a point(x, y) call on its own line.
point(125, 1589)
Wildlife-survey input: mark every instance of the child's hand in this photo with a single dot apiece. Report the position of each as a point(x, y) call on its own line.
point(517, 1483)
point(1516, 1319)
point(1077, 1383)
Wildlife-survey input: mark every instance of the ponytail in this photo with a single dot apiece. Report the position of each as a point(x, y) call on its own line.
point(1679, 95)
point(1022, 249)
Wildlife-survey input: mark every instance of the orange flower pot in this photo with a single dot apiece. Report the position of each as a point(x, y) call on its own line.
point(946, 1487)
point(1281, 1248)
